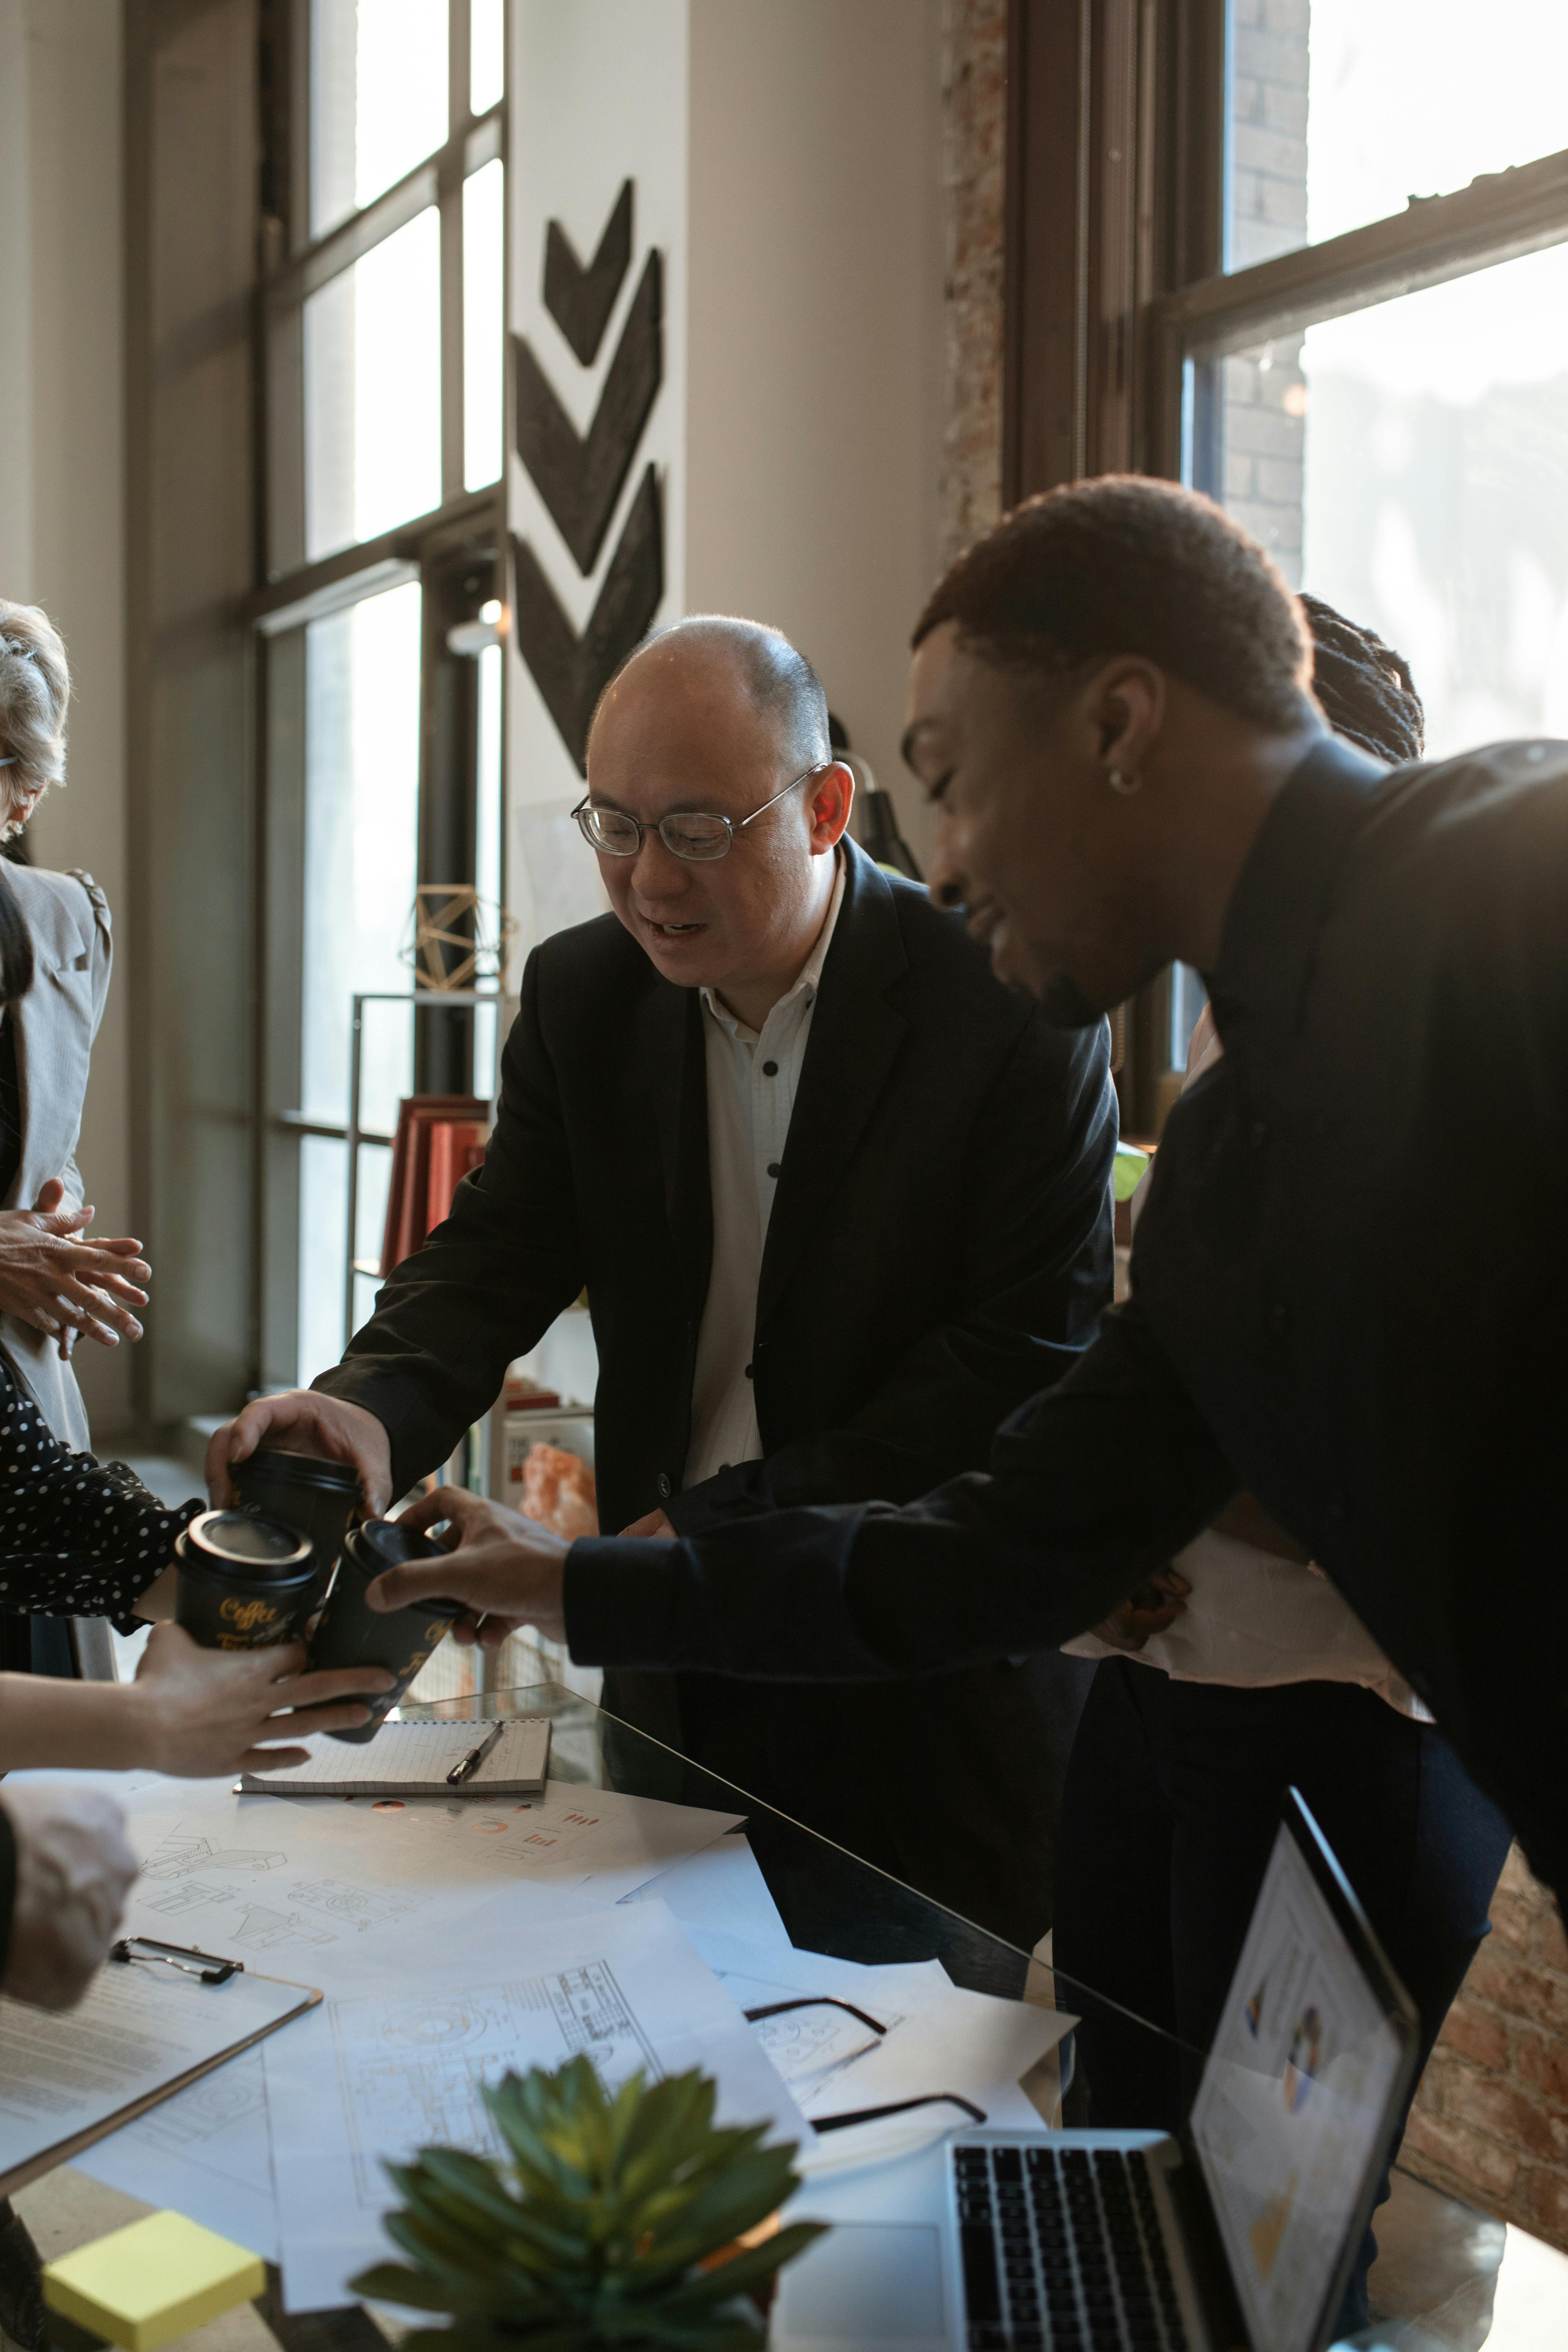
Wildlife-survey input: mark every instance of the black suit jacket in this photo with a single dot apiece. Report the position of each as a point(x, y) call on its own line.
point(939, 1250)
point(1350, 1295)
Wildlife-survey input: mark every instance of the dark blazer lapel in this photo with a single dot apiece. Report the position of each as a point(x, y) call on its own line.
point(677, 1072)
point(856, 1034)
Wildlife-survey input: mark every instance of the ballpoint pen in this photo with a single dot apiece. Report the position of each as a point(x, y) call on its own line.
point(474, 1759)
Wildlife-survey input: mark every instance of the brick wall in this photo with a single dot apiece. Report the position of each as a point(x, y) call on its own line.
point(1491, 2122)
point(973, 132)
point(1262, 393)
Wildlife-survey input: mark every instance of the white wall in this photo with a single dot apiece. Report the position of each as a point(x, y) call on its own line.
point(598, 97)
point(787, 161)
point(62, 491)
point(813, 350)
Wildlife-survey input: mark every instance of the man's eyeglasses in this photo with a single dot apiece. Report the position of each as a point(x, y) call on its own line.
point(685, 832)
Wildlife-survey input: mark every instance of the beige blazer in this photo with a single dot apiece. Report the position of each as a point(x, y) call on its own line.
point(57, 1022)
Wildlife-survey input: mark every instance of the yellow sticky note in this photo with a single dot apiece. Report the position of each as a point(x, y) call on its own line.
point(154, 2280)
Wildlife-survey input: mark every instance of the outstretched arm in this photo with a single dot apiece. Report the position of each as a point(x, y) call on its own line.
point(1091, 1489)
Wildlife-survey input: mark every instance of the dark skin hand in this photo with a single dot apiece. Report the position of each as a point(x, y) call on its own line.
point(1151, 1609)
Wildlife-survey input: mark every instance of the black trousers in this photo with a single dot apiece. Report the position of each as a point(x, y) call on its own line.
point(1169, 1815)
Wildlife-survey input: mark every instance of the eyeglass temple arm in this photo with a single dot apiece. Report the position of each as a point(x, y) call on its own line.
point(817, 769)
point(898, 2108)
point(813, 2001)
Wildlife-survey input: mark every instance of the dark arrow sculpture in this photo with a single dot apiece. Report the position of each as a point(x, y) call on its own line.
point(581, 300)
point(579, 477)
point(572, 671)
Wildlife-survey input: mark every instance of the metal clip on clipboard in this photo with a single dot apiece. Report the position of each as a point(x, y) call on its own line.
point(207, 1965)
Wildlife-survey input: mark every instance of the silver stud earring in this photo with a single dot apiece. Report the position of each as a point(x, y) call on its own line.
point(1120, 782)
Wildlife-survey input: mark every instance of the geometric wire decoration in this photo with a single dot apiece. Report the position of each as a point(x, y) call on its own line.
point(459, 937)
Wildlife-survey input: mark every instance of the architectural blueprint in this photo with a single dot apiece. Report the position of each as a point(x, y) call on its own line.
point(384, 2070)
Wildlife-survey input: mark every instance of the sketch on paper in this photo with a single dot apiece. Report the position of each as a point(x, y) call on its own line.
point(230, 2095)
point(809, 2045)
point(411, 2069)
point(190, 1876)
point(259, 1929)
point(179, 1855)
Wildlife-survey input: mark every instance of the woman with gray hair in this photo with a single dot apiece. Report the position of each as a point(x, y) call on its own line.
point(55, 942)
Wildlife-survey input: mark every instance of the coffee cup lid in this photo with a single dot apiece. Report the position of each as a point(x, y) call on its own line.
point(302, 1470)
point(251, 1546)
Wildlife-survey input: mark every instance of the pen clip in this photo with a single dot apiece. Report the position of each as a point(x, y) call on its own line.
point(207, 1966)
point(465, 1772)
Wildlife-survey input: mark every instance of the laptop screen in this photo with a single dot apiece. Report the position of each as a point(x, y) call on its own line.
point(1292, 2107)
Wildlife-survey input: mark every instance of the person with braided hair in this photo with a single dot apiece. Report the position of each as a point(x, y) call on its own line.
point(1239, 1673)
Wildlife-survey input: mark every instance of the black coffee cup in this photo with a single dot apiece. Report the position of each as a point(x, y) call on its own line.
point(353, 1633)
point(246, 1582)
point(317, 1497)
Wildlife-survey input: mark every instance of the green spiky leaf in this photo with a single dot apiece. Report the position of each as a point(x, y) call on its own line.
point(590, 2234)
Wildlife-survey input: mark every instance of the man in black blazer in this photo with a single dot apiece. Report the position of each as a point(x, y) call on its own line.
point(840, 1315)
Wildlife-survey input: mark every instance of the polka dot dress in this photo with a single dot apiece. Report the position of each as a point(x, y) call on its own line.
point(78, 1537)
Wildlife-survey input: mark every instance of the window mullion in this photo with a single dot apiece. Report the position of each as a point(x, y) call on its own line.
point(452, 474)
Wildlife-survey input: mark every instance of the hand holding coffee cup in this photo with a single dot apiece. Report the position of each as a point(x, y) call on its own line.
point(195, 1715)
point(352, 1634)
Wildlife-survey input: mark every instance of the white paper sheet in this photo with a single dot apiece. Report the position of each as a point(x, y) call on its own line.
point(398, 2063)
point(721, 1888)
point(310, 1888)
point(938, 2036)
point(206, 2153)
point(596, 1840)
point(282, 1888)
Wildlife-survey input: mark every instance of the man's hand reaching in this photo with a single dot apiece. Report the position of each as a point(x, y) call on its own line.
point(651, 1524)
point(505, 1569)
point(301, 1420)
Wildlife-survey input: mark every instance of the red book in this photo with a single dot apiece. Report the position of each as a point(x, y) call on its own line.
point(406, 1220)
point(456, 1146)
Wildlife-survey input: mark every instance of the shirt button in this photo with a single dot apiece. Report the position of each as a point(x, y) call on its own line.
point(1278, 1316)
point(773, 1167)
point(1257, 1134)
point(770, 1069)
point(662, 1482)
point(748, 1372)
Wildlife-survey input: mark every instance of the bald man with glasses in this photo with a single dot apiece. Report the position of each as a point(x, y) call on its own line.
point(840, 1202)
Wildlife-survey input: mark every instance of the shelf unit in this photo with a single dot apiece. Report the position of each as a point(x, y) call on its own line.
point(420, 999)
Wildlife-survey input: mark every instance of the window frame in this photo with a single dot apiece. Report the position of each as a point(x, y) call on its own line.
point(465, 532)
point(1115, 290)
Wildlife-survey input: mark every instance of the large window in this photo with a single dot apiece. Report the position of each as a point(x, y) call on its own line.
point(382, 683)
point(1312, 257)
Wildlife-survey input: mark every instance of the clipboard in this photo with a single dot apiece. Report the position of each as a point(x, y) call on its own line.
point(206, 2009)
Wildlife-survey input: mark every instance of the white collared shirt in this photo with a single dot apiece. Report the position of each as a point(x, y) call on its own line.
point(752, 1084)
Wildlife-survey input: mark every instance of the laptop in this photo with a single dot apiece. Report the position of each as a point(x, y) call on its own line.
point(1242, 2233)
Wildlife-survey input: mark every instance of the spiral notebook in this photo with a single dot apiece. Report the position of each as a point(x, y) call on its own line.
point(414, 1760)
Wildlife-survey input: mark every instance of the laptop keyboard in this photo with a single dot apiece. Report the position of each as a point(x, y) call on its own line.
point(1062, 2247)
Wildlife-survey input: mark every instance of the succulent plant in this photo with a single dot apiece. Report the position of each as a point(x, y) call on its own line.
point(599, 2230)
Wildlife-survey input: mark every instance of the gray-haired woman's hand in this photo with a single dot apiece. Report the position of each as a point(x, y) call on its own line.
point(65, 1285)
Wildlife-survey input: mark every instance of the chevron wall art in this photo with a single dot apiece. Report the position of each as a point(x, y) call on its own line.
point(580, 477)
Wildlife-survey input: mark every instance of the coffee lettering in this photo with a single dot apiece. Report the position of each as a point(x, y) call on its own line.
point(247, 1614)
